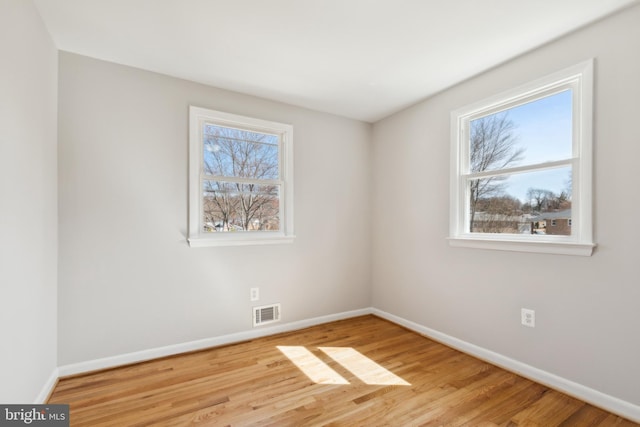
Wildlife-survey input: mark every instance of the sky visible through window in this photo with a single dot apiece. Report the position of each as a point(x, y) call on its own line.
point(543, 129)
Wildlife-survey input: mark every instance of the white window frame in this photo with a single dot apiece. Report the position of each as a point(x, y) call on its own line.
point(198, 117)
point(580, 79)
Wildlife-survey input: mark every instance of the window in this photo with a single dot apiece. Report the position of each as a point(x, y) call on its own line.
point(240, 180)
point(522, 160)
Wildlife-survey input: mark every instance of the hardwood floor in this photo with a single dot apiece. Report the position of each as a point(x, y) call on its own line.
point(366, 371)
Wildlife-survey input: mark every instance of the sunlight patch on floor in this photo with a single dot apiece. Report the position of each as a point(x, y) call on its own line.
point(367, 371)
point(314, 368)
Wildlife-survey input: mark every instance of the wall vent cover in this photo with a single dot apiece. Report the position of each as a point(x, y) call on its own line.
point(266, 314)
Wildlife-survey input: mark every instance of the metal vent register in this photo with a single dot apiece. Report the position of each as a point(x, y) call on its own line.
point(266, 314)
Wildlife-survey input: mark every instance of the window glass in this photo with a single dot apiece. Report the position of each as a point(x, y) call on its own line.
point(233, 206)
point(510, 203)
point(535, 132)
point(240, 153)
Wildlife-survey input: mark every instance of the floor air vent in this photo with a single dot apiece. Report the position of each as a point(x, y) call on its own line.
point(266, 314)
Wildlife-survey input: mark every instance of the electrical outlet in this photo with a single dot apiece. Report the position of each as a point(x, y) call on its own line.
point(528, 317)
point(255, 294)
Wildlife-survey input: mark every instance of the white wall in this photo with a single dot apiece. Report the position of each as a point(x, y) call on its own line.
point(28, 203)
point(587, 308)
point(128, 280)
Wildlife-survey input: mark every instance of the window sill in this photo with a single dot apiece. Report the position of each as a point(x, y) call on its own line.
point(236, 239)
point(514, 245)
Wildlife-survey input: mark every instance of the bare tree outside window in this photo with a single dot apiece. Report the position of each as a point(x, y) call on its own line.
point(539, 198)
point(492, 146)
point(242, 193)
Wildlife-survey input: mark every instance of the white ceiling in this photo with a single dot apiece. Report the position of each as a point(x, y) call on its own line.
point(362, 59)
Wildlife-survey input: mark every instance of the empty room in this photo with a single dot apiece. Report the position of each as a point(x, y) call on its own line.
point(309, 213)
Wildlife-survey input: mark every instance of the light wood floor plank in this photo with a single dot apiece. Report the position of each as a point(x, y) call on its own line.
point(255, 384)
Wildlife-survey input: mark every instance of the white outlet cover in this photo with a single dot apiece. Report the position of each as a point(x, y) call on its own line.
point(528, 317)
point(255, 294)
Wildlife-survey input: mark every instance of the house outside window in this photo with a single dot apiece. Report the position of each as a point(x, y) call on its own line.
point(240, 180)
point(519, 159)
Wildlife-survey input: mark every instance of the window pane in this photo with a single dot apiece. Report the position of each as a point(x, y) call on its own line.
point(240, 153)
point(532, 133)
point(523, 203)
point(229, 206)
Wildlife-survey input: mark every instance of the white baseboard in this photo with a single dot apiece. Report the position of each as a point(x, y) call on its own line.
point(170, 350)
point(609, 403)
point(48, 387)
